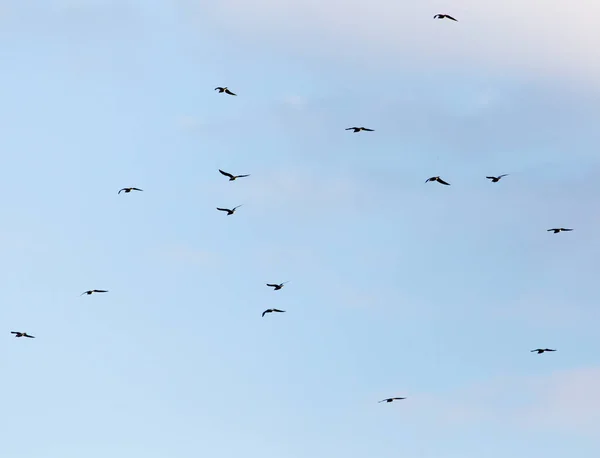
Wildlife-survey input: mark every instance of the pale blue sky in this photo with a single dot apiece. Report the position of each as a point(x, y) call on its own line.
point(397, 288)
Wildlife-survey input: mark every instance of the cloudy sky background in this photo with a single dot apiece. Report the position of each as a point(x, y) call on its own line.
point(397, 288)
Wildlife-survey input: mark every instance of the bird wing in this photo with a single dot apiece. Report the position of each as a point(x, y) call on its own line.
point(223, 209)
point(490, 178)
point(383, 400)
point(100, 291)
point(429, 179)
point(14, 332)
point(27, 335)
point(218, 88)
point(266, 311)
point(399, 398)
point(505, 175)
point(437, 16)
point(272, 285)
point(549, 349)
point(450, 17)
point(242, 176)
point(563, 229)
point(237, 206)
point(226, 174)
point(443, 182)
point(537, 349)
point(277, 310)
point(227, 91)
point(124, 189)
point(352, 128)
point(85, 292)
point(550, 230)
point(137, 189)
point(368, 130)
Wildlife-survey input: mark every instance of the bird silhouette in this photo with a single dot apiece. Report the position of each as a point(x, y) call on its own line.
point(277, 287)
point(496, 179)
point(358, 129)
point(272, 310)
point(444, 16)
point(232, 177)
point(391, 399)
point(556, 230)
point(225, 90)
point(541, 350)
point(129, 190)
point(88, 292)
point(229, 212)
point(438, 179)
point(21, 334)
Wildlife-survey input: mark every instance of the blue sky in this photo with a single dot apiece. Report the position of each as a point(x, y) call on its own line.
point(397, 288)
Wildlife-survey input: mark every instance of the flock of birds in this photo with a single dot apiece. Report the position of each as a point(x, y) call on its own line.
point(279, 286)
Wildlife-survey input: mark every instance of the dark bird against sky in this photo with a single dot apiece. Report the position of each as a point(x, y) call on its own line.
point(129, 190)
point(541, 350)
point(232, 177)
point(444, 16)
point(272, 310)
point(21, 334)
point(556, 230)
point(438, 179)
point(277, 286)
point(391, 399)
point(496, 179)
point(225, 90)
point(88, 292)
point(358, 129)
point(229, 212)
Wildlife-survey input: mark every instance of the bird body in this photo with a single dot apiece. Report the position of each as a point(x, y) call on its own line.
point(229, 212)
point(391, 399)
point(358, 129)
point(225, 90)
point(541, 350)
point(21, 334)
point(444, 16)
point(272, 310)
point(90, 291)
point(438, 179)
point(496, 179)
point(276, 286)
point(556, 230)
point(129, 190)
point(232, 177)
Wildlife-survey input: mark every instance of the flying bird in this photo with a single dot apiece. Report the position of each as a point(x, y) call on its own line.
point(229, 212)
point(496, 179)
point(277, 287)
point(444, 16)
point(438, 179)
point(21, 334)
point(358, 129)
point(541, 350)
point(129, 190)
point(391, 399)
point(94, 291)
point(225, 90)
point(232, 177)
point(272, 310)
point(559, 229)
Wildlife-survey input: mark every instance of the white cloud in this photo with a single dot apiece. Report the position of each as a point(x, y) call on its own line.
point(536, 35)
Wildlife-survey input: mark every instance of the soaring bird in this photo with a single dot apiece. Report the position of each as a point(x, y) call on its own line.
point(21, 334)
point(94, 291)
point(444, 16)
point(496, 179)
point(229, 212)
point(225, 90)
point(391, 399)
point(358, 129)
point(277, 287)
point(272, 310)
point(232, 177)
point(541, 350)
point(129, 190)
point(438, 179)
point(559, 229)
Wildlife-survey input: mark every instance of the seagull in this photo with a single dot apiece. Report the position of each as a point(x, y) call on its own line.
point(232, 177)
point(272, 310)
point(94, 291)
point(391, 399)
point(129, 190)
point(277, 287)
point(559, 229)
point(229, 212)
point(438, 179)
point(21, 334)
point(541, 350)
point(496, 179)
point(442, 16)
point(358, 129)
point(225, 90)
